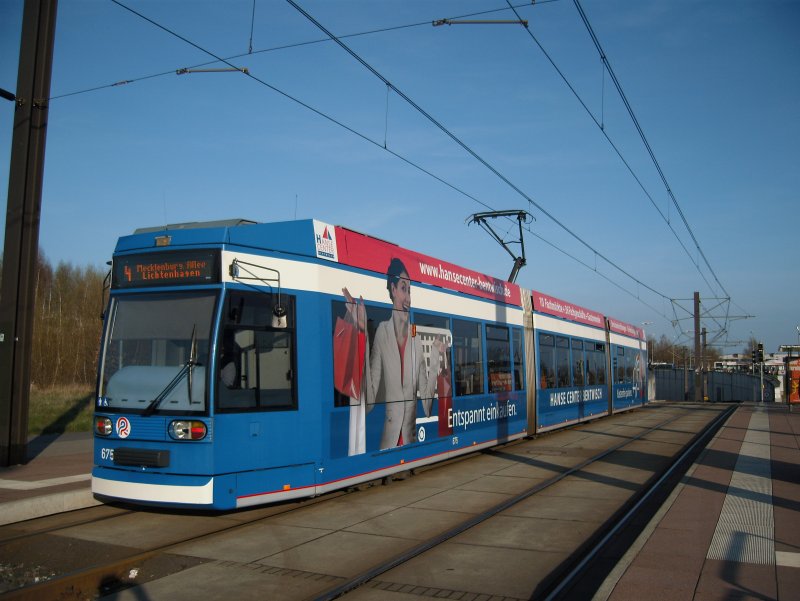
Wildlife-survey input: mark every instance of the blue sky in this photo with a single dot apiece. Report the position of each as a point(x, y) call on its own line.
point(714, 84)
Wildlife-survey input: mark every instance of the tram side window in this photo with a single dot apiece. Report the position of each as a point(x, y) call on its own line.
point(434, 330)
point(430, 328)
point(630, 359)
point(256, 360)
point(547, 361)
point(619, 366)
point(596, 363)
point(468, 351)
point(563, 372)
point(579, 362)
point(498, 347)
point(519, 370)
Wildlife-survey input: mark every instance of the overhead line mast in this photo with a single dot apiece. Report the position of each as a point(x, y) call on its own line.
point(21, 246)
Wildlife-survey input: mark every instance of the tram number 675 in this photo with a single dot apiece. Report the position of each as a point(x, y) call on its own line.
point(107, 454)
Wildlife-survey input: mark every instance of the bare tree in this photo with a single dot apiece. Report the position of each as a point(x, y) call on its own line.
point(66, 324)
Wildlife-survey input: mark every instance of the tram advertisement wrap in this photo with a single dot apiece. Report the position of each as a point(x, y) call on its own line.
point(370, 253)
point(561, 405)
point(550, 305)
point(394, 375)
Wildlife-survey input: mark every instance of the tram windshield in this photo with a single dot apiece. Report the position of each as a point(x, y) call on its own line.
point(156, 353)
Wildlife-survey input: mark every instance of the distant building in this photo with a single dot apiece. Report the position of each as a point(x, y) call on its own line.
point(774, 363)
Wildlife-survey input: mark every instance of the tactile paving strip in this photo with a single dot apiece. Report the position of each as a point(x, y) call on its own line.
point(746, 530)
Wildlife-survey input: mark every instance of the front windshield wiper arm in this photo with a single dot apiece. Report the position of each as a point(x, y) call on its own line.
point(186, 370)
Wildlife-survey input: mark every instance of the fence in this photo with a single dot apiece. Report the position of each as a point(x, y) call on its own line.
point(678, 385)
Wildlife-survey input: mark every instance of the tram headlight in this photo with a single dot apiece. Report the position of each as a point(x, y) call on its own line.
point(187, 430)
point(102, 426)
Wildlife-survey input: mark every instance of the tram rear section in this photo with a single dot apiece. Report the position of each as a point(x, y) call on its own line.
point(508, 523)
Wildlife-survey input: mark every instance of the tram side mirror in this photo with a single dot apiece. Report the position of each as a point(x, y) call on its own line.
point(235, 308)
point(279, 317)
point(106, 287)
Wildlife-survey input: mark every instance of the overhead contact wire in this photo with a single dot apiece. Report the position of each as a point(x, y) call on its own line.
point(272, 49)
point(614, 147)
point(463, 145)
point(405, 159)
point(644, 141)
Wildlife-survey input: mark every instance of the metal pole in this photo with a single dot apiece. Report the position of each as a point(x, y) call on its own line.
point(21, 244)
point(698, 374)
point(685, 378)
point(703, 368)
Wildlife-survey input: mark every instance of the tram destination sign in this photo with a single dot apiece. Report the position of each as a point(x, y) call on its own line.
point(171, 268)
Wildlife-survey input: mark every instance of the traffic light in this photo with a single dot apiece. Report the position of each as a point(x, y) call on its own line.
point(760, 355)
point(753, 356)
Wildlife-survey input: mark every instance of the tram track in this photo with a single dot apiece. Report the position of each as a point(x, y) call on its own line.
point(577, 567)
point(655, 493)
point(10, 532)
point(108, 576)
point(105, 577)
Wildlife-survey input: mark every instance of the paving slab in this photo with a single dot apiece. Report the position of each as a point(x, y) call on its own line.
point(469, 569)
point(394, 495)
point(216, 581)
point(465, 501)
point(535, 534)
point(584, 509)
point(342, 554)
point(413, 523)
point(144, 530)
point(260, 541)
point(335, 515)
point(501, 484)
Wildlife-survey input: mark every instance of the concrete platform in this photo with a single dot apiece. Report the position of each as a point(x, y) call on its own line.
point(56, 478)
point(731, 530)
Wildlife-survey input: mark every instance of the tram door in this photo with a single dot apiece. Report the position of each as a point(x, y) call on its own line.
point(530, 361)
point(257, 410)
point(579, 374)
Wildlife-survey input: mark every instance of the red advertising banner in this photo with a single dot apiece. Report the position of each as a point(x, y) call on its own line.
point(559, 308)
point(626, 329)
point(360, 250)
point(794, 381)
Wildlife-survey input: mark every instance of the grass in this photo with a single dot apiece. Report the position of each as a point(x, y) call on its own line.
point(67, 408)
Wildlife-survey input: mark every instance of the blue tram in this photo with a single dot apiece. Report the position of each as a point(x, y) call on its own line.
point(245, 363)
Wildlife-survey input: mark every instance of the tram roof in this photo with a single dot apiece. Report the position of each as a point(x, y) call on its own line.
point(312, 238)
point(193, 225)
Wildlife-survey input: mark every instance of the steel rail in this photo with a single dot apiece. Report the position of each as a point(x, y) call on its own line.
point(16, 535)
point(566, 582)
point(86, 582)
point(401, 558)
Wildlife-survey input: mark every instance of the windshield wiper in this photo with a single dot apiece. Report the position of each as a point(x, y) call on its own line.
point(186, 370)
